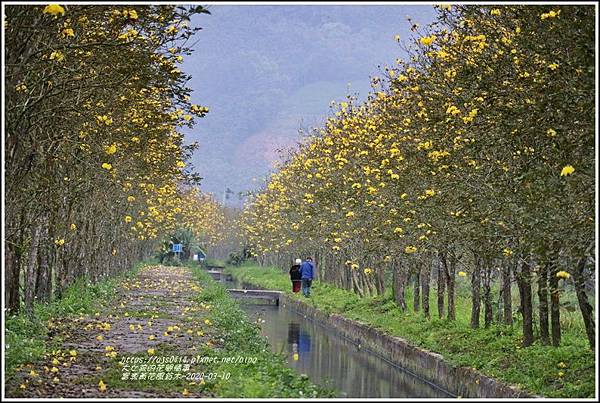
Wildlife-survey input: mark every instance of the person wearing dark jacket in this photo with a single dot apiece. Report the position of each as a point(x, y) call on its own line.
point(307, 272)
point(295, 276)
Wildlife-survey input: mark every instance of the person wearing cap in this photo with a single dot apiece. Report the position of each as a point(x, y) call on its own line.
point(295, 276)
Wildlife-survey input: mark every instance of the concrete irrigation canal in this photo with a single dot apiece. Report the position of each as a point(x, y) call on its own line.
point(329, 359)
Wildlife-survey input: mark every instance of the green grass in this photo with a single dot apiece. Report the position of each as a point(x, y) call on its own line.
point(214, 262)
point(268, 376)
point(495, 351)
point(27, 337)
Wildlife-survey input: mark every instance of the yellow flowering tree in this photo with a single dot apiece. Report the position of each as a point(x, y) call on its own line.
point(95, 101)
point(476, 152)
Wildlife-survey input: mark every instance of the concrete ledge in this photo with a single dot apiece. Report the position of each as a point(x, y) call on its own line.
point(461, 381)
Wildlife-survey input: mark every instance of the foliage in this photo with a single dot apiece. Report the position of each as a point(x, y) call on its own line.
point(95, 159)
point(477, 149)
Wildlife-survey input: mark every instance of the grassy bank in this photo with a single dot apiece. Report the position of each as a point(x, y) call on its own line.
point(214, 262)
point(265, 375)
point(566, 371)
point(27, 336)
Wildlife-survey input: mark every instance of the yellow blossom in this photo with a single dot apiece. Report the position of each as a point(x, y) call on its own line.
point(567, 170)
point(111, 149)
point(550, 14)
point(410, 249)
point(107, 166)
point(452, 110)
point(462, 274)
point(57, 55)
point(427, 40)
point(563, 274)
point(68, 32)
point(131, 14)
point(54, 9)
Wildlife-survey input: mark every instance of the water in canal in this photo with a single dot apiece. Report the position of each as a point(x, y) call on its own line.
point(331, 360)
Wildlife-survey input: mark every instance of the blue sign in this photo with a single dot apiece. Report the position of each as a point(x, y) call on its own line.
point(176, 247)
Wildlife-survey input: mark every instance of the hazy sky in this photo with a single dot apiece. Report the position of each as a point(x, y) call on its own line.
point(267, 71)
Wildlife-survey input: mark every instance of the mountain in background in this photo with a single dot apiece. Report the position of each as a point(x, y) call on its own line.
point(267, 71)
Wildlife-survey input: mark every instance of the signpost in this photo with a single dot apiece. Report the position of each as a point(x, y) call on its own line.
point(177, 247)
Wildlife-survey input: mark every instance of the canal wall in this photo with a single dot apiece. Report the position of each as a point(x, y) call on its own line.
point(461, 381)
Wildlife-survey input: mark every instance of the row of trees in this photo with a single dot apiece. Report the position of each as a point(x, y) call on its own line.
point(95, 162)
point(203, 224)
point(473, 157)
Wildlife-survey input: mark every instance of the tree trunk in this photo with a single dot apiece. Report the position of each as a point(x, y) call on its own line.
point(554, 305)
point(449, 269)
point(488, 314)
point(43, 277)
point(543, 307)
point(417, 288)
point(524, 282)
point(585, 306)
point(43, 282)
point(379, 281)
point(30, 274)
point(356, 286)
point(441, 289)
point(426, 274)
point(398, 288)
point(475, 293)
point(506, 295)
point(12, 261)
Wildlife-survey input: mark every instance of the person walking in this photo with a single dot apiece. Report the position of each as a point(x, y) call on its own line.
point(295, 275)
point(307, 273)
